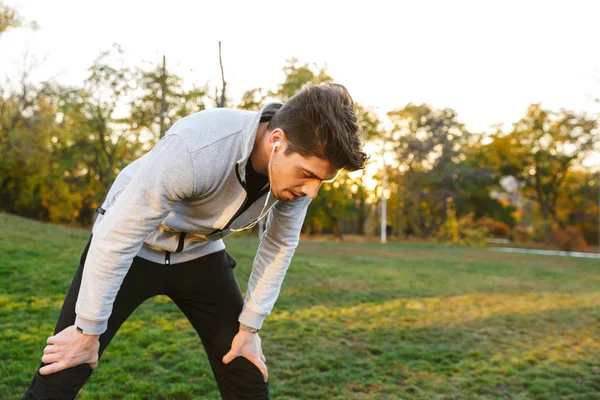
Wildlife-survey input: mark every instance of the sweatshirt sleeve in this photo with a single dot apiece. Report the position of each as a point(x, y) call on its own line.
point(166, 177)
point(272, 260)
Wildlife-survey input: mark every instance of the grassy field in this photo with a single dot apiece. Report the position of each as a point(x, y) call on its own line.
point(353, 321)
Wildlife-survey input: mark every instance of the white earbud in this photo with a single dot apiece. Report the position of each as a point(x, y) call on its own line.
point(277, 144)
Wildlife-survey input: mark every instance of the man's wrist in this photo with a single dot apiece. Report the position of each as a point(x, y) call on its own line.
point(251, 318)
point(90, 327)
point(86, 335)
point(246, 328)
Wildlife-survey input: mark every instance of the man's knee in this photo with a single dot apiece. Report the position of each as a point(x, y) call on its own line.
point(244, 379)
point(240, 378)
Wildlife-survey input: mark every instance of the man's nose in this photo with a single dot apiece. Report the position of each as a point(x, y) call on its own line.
point(311, 188)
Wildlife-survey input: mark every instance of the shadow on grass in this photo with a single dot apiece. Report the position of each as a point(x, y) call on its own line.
point(502, 346)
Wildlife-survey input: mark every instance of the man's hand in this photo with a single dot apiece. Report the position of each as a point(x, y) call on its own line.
point(247, 345)
point(68, 349)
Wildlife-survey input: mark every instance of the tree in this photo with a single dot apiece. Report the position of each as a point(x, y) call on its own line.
point(161, 100)
point(372, 131)
point(97, 142)
point(336, 201)
point(577, 203)
point(431, 147)
point(346, 197)
point(252, 99)
point(296, 76)
point(30, 177)
point(9, 18)
point(221, 100)
point(335, 198)
point(541, 150)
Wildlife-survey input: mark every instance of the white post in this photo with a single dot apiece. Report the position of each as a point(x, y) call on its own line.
point(383, 202)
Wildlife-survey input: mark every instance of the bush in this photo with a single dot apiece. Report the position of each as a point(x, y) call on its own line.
point(448, 233)
point(569, 239)
point(589, 229)
point(550, 233)
point(523, 234)
point(543, 231)
point(463, 231)
point(495, 228)
point(471, 233)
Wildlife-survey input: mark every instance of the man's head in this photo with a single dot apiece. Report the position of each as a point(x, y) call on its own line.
point(318, 134)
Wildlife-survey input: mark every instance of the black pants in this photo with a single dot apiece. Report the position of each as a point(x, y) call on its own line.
point(206, 291)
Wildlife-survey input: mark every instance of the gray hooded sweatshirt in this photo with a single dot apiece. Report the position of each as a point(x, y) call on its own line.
point(177, 202)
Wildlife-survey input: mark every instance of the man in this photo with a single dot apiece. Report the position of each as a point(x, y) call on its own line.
point(160, 231)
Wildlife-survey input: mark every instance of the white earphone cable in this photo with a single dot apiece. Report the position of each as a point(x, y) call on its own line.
point(261, 215)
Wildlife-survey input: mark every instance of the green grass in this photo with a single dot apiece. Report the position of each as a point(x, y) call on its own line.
point(353, 321)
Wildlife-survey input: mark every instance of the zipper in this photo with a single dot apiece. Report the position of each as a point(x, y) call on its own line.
point(179, 248)
point(239, 211)
point(181, 240)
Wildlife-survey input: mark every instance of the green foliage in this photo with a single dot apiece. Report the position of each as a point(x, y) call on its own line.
point(344, 198)
point(62, 148)
point(370, 123)
point(161, 100)
point(9, 18)
point(463, 231)
point(30, 177)
point(540, 151)
point(252, 99)
point(471, 233)
point(296, 76)
point(433, 149)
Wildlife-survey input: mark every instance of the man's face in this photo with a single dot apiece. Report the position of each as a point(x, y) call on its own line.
point(294, 176)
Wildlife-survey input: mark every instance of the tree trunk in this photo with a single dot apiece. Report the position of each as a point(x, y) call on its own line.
point(163, 98)
point(337, 230)
point(222, 98)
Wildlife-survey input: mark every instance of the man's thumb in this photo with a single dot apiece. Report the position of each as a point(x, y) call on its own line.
point(228, 357)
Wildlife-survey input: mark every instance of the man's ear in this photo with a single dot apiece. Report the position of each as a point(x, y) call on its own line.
point(277, 135)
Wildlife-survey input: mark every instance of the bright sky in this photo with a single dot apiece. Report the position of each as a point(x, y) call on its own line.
point(487, 60)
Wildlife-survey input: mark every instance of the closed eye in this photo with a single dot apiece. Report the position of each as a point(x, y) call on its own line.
point(304, 174)
point(309, 175)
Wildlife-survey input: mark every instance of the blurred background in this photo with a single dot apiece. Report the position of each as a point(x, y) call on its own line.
point(481, 119)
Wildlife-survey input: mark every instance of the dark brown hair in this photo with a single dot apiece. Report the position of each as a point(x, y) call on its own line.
point(320, 121)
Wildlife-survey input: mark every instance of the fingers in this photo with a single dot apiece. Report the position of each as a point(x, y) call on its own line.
point(94, 365)
point(52, 368)
point(51, 348)
point(260, 364)
point(56, 340)
point(50, 358)
point(262, 367)
point(227, 358)
point(64, 336)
